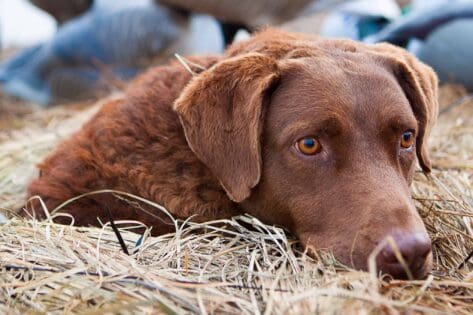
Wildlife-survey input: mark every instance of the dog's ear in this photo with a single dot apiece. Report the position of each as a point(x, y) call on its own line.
point(222, 112)
point(420, 85)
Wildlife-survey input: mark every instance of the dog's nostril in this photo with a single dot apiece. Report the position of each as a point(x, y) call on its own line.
point(414, 248)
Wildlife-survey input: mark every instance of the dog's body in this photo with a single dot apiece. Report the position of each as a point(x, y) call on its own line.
point(235, 139)
point(114, 151)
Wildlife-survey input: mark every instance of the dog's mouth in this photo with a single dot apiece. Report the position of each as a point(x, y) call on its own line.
point(398, 271)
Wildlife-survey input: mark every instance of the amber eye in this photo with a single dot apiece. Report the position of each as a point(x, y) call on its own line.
point(407, 139)
point(308, 145)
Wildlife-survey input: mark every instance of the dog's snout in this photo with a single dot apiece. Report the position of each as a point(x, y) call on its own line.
point(415, 249)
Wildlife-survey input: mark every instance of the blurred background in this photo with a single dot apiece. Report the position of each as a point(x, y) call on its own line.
point(59, 52)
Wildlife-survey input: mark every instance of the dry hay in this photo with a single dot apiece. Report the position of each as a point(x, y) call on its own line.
point(237, 266)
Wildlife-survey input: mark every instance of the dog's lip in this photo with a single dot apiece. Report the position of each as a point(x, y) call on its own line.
point(397, 271)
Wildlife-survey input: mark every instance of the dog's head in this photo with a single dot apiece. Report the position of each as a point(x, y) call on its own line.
point(321, 137)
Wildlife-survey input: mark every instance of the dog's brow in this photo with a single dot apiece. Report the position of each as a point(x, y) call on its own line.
point(399, 123)
point(326, 124)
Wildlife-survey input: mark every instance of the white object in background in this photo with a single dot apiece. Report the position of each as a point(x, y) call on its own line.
point(3, 219)
point(423, 5)
point(201, 34)
point(241, 35)
point(415, 46)
point(365, 8)
point(119, 4)
point(343, 21)
point(205, 35)
point(340, 25)
point(22, 24)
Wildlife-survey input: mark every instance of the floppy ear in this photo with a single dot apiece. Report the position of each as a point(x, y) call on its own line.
point(222, 112)
point(420, 85)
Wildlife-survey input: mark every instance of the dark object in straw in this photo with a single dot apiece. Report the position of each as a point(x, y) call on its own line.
point(117, 232)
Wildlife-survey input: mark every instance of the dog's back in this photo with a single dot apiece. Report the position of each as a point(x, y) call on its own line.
point(134, 144)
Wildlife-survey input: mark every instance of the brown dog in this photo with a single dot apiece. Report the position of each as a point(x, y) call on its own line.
point(319, 136)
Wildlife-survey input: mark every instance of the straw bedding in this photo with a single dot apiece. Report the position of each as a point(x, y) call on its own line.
point(232, 266)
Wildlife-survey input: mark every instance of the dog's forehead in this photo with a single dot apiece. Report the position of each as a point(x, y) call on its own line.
point(352, 86)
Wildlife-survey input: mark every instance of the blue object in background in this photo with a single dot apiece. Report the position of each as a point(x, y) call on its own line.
point(121, 38)
point(449, 50)
point(440, 33)
point(420, 23)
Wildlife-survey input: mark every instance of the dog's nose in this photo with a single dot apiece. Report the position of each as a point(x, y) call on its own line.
point(415, 249)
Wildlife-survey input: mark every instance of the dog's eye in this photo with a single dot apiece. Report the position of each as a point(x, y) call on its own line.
point(407, 139)
point(308, 145)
